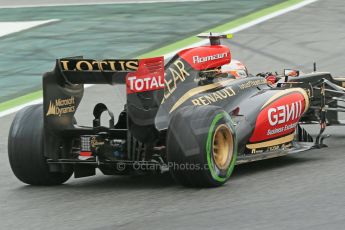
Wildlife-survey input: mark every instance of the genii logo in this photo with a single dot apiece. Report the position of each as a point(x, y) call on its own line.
point(149, 77)
point(284, 113)
point(280, 117)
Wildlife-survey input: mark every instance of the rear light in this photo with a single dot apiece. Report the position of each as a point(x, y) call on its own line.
point(89, 145)
point(85, 154)
point(85, 145)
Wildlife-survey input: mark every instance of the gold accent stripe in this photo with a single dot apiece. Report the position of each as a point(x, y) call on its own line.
point(287, 91)
point(197, 90)
point(278, 141)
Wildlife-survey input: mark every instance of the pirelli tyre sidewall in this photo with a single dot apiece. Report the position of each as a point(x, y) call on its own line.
point(25, 149)
point(191, 140)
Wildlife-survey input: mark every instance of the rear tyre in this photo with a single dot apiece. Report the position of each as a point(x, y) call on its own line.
point(201, 146)
point(25, 149)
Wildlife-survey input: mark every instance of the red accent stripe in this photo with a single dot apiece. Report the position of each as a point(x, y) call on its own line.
point(85, 154)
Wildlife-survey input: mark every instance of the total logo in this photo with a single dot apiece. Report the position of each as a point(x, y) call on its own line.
point(142, 84)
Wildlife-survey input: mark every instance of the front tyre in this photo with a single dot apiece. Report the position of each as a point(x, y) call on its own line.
point(201, 146)
point(25, 149)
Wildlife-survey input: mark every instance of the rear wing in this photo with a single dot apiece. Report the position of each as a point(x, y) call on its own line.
point(89, 71)
point(110, 71)
point(63, 89)
point(70, 74)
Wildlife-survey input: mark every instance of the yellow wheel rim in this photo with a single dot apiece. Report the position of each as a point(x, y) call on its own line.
point(223, 144)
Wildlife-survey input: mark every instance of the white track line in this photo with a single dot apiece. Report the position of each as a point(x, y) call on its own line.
point(79, 3)
point(234, 30)
point(19, 107)
point(7, 28)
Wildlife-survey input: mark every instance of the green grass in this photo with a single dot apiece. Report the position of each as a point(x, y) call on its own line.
point(20, 100)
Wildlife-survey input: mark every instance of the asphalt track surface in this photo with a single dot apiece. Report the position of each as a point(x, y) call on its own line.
point(304, 191)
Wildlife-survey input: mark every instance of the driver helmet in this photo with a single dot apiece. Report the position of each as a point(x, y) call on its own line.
point(236, 69)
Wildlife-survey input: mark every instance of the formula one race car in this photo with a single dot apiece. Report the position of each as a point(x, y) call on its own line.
point(187, 117)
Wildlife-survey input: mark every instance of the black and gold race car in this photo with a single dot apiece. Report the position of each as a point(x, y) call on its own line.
point(186, 117)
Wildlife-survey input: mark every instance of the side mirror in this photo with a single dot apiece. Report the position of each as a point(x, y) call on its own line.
point(290, 73)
